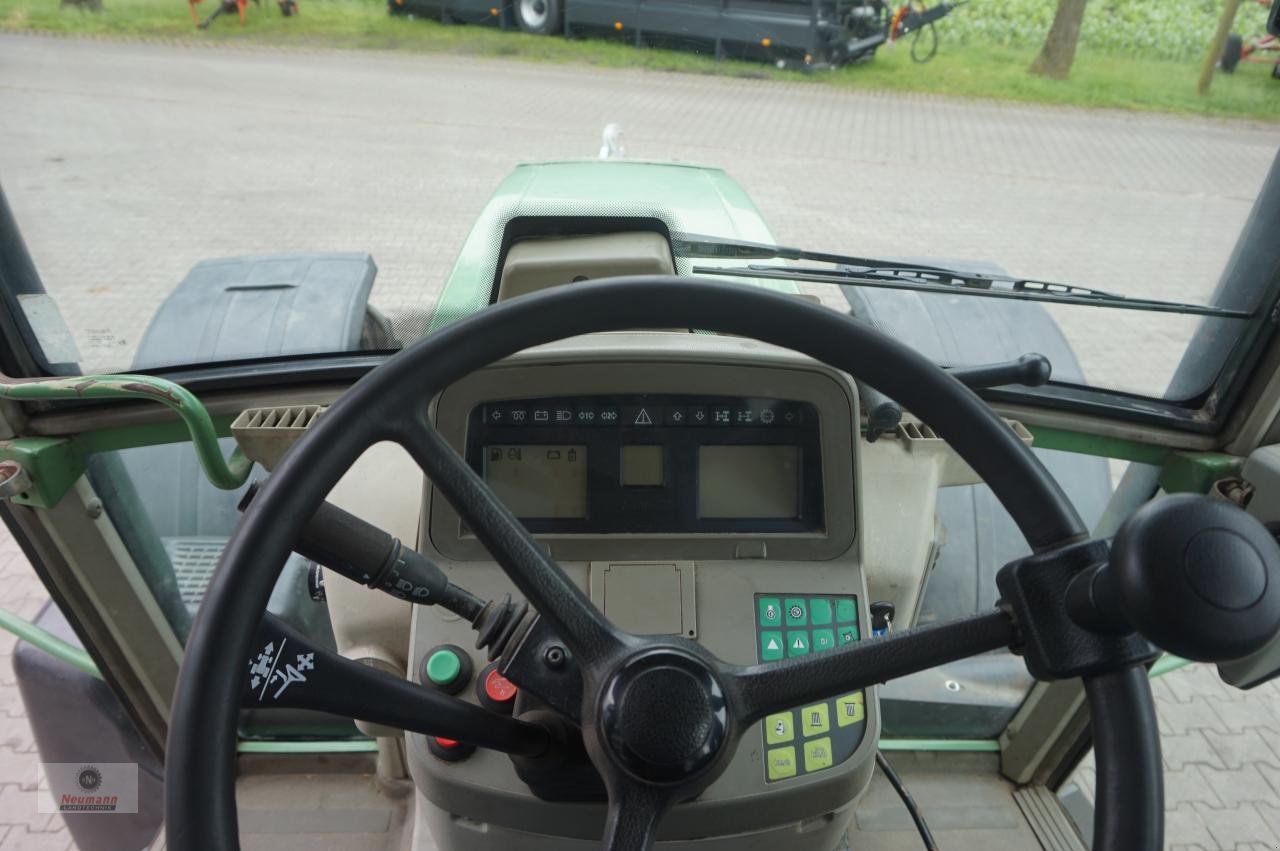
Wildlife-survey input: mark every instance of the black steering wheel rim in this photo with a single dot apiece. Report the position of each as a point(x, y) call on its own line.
point(390, 402)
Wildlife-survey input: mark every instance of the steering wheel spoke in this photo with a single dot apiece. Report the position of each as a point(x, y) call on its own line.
point(634, 813)
point(286, 670)
point(773, 687)
point(557, 599)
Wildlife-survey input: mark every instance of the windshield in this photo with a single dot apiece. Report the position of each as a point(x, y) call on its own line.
point(135, 170)
point(248, 184)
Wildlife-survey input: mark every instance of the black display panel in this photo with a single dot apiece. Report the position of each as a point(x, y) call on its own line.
point(652, 463)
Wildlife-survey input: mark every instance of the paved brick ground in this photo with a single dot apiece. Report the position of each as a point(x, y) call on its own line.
point(126, 164)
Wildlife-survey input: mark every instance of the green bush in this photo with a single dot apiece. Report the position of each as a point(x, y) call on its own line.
point(1165, 29)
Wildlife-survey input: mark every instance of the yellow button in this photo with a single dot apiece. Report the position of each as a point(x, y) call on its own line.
point(850, 709)
point(779, 728)
point(817, 754)
point(782, 763)
point(814, 719)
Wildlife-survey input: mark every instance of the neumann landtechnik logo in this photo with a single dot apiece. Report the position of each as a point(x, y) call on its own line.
point(106, 787)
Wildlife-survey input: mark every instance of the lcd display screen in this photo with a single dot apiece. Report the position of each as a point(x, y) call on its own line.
point(539, 481)
point(641, 466)
point(749, 482)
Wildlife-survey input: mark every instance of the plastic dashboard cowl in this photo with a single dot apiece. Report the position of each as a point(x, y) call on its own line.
point(1054, 646)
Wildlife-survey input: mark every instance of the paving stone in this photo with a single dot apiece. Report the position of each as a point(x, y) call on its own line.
point(1240, 716)
point(1238, 749)
point(1192, 748)
point(19, 768)
point(21, 839)
point(1184, 826)
point(1188, 785)
point(21, 805)
point(1198, 713)
point(1241, 785)
point(1237, 826)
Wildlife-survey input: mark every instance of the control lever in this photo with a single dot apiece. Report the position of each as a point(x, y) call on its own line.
point(287, 670)
point(884, 414)
point(366, 554)
point(1198, 577)
point(1030, 370)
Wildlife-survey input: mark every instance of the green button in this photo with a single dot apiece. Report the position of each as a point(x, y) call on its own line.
point(797, 643)
point(850, 709)
point(819, 611)
point(814, 719)
point(770, 611)
point(846, 611)
point(770, 646)
point(443, 667)
point(847, 634)
point(779, 728)
point(797, 615)
point(817, 754)
point(823, 639)
point(781, 763)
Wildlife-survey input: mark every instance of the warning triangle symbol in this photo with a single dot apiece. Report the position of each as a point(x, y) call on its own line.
point(799, 644)
point(642, 418)
point(773, 644)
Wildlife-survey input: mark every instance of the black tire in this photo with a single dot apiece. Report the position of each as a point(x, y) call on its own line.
point(1275, 71)
point(1232, 53)
point(541, 17)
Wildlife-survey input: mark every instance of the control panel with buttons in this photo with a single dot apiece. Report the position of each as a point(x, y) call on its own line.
point(815, 737)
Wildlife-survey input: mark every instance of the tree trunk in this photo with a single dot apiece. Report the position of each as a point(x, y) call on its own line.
point(1059, 49)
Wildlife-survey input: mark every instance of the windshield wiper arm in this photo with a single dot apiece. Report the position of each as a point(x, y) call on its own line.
point(868, 272)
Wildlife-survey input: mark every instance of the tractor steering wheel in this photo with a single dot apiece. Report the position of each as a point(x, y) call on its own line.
point(661, 716)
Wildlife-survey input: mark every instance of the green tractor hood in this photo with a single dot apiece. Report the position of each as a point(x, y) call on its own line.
point(686, 198)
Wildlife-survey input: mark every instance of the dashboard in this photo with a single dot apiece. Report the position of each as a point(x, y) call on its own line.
point(692, 485)
point(646, 463)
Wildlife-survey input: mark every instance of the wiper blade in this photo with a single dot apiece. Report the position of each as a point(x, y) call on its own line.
point(868, 272)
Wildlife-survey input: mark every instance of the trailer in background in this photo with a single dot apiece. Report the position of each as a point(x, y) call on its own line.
point(786, 32)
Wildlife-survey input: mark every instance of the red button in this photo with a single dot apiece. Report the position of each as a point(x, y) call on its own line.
point(499, 688)
point(446, 743)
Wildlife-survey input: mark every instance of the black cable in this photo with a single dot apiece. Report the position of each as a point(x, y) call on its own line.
point(907, 801)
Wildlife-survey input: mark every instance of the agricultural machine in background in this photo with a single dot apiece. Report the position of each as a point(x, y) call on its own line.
point(1264, 48)
point(803, 33)
point(288, 8)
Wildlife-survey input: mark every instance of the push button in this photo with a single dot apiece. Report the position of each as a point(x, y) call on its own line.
point(847, 635)
point(779, 728)
point(449, 750)
point(770, 611)
point(797, 643)
point(770, 646)
point(819, 611)
point(850, 709)
point(846, 611)
point(817, 754)
point(797, 615)
point(447, 668)
point(495, 692)
point(823, 639)
point(781, 763)
point(814, 720)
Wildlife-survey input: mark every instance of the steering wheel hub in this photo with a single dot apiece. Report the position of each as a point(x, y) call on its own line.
point(663, 716)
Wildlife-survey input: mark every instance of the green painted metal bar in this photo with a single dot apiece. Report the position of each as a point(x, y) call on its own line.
point(48, 642)
point(952, 745)
point(226, 473)
point(1166, 664)
point(1050, 437)
point(338, 746)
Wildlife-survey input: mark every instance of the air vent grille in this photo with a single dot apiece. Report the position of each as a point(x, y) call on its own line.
point(265, 434)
